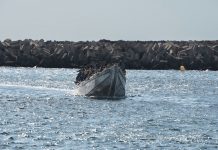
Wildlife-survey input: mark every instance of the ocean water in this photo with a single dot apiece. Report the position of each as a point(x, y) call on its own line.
point(39, 109)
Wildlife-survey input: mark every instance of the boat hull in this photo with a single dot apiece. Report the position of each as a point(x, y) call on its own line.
point(110, 83)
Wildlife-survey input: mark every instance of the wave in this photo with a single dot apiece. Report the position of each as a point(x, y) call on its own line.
point(36, 87)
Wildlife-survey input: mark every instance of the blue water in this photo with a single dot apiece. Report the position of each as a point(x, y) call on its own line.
point(39, 109)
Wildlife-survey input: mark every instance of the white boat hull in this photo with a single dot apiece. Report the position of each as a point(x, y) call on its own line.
point(110, 83)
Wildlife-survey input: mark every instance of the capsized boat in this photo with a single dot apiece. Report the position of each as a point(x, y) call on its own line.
point(109, 83)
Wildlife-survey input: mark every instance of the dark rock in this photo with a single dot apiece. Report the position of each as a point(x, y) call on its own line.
point(135, 54)
point(27, 61)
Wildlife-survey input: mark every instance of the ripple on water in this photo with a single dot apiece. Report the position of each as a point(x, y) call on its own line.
point(163, 110)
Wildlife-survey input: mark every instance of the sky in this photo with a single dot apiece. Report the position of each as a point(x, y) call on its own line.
point(92, 20)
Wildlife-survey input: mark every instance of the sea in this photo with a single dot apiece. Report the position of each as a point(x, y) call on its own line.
point(163, 109)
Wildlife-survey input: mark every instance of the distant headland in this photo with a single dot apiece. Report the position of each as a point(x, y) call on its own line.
point(194, 55)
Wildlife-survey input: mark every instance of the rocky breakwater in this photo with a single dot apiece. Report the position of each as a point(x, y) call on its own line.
point(197, 55)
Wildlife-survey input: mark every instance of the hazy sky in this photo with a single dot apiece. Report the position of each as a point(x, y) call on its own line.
point(76, 20)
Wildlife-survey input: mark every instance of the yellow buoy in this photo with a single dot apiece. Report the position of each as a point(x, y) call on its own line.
point(182, 68)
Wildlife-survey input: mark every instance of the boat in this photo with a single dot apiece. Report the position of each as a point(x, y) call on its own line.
point(108, 83)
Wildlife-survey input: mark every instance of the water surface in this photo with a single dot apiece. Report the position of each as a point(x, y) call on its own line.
point(163, 110)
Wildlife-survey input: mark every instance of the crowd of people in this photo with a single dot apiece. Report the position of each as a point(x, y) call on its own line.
point(89, 70)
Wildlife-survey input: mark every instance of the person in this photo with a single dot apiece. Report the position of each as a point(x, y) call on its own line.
point(81, 76)
point(122, 65)
point(85, 73)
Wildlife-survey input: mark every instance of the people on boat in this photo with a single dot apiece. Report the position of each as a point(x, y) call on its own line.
point(89, 70)
point(122, 66)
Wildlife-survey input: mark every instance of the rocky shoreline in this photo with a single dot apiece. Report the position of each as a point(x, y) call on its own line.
point(194, 55)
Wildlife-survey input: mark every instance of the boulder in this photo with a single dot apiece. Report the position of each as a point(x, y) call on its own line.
point(7, 42)
point(136, 54)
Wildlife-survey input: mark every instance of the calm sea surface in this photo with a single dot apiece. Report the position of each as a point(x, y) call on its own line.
point(39, 109)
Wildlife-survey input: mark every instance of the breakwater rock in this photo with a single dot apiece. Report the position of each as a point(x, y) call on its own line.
point(198, 55)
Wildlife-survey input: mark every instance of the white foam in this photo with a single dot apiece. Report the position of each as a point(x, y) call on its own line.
point(36, 87)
